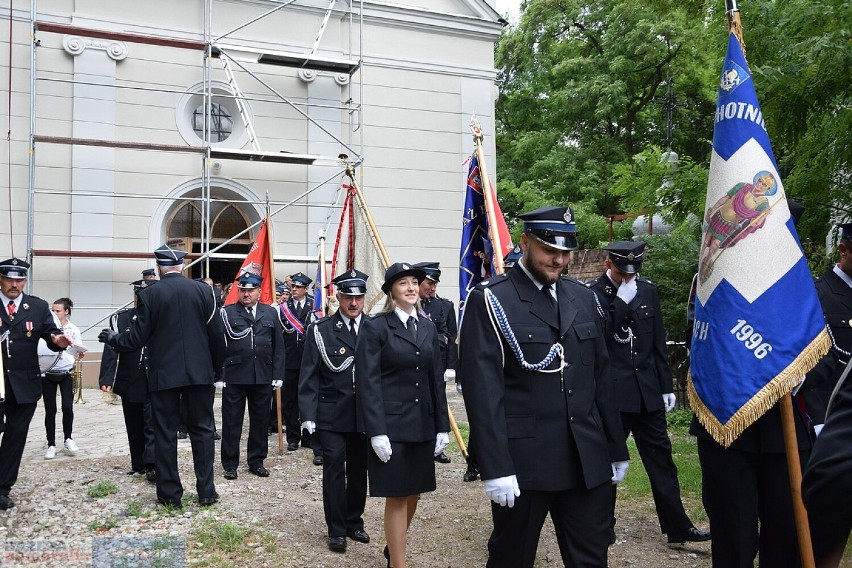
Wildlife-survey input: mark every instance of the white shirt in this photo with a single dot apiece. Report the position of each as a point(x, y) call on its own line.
point(17, 302)
point(843, 276)
point(403, 317)
point(539, 285)
point(349, 321)
point(65, 361)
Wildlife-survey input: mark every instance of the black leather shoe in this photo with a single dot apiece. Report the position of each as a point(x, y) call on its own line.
point(259, 471)
point(611, 536)
point(292, 447)
point(6, 503)
point(691, 534)
point(230, 474)
point(443, 458)
point(317, 460)
point(360, 535)
point(472, 474)
point(207, 501)
point(151, 474)
point(337, 543)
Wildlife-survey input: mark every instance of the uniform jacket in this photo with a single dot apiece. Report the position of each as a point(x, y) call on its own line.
point(640, 368)
point(442, 312)
point(179, 323)
point(258, 358)
point(293, 340)
point(835, 297)
point(400, 387)
point(554, 432)
point(327, 397)
point(126, 373)
point(20, 359)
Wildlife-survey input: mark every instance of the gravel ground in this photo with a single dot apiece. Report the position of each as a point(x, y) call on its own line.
point(277, 521)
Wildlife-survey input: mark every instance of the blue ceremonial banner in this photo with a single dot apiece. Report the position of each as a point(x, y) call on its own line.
point(758, 323)
point(476, 257)
point(319, 291)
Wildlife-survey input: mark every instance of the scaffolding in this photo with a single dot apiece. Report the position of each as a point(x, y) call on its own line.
point(237, 54)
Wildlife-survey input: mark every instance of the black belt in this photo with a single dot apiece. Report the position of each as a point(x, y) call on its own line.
point(60, 374)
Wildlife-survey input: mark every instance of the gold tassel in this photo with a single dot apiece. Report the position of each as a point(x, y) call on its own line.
point(766, 398)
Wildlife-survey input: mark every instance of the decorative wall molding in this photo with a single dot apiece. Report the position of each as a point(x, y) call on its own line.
point(75, 45)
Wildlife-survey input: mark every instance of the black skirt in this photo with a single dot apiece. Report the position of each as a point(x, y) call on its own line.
point(410, 470)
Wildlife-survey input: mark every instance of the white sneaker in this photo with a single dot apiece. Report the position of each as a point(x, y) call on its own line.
point(71, 446)
point(50, 453)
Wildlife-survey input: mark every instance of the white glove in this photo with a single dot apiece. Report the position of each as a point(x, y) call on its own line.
point(277, 384)
point(669, 401)
point(503, 490)
point(381, 445)
point(449, 375)
point(458, 388)
point(818, 428)
point(219, 385)
point(311, 427)
point(442, 440)
point(619, 471)
point(627, 290)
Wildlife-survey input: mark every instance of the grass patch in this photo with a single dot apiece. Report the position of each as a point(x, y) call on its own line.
point(102, 489)
point(225, 537)
point(104, 525)
point(136, 509)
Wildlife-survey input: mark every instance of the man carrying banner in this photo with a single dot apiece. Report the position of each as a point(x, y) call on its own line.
point(644, 391)
point(758, 329)
point(327, 405)
point(538, 394)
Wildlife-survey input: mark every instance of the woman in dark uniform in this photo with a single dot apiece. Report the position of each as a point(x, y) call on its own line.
point(401, 402)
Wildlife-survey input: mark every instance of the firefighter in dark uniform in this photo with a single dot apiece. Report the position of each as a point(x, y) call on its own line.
point(126, 374)
point(643, 387)
point(178, 321)
point(830, 528)
point(24, 319)
point(537, 389)
point(442, 312)
point(254, 366)
point(327, 406)
point(296, 315)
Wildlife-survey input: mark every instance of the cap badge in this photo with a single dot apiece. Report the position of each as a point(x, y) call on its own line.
point(406, 267)
point(353, 274)
point(631, 256)
point(567, 217)
point(15, 261)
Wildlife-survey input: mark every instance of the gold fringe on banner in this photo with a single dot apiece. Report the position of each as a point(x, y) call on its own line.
point(766, 398)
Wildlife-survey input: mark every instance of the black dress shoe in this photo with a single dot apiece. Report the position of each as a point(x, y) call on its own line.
point(691, 534)
point(207, 501)
point(611, 536)
point(472, 474)
point(6, 503)
point(292, 447)
point(359, 535)
point(151, 474)
point(443, 458)
point(230, 474)
point(317, 460)
point(337, 543)
point(259, 471)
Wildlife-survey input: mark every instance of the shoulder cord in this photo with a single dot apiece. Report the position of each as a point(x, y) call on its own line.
point(841, 352)
point(498, 318)
point(624, 340)
point(215, 303)
point(321, 347)
point(230, 333)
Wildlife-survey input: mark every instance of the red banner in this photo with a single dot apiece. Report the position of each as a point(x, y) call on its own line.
point(259, 256)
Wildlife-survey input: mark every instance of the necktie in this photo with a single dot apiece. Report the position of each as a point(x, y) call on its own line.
point(11, 308)
point(352, 331)
point(550, 300)
point(251, 312)
point(411, 326)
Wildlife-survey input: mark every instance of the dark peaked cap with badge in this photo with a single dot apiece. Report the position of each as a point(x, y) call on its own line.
point(351, 283)
point(399, 269)
point(139, 285)
point(249, 281)
point(300, 279)
point(553, 226)
point(167, 256)
point(431, 269)
point(149, 272)
point(14, 268)
point(626, 255)
point(846, 231)
point(512, 257)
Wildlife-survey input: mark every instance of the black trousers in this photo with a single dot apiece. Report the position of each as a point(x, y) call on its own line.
point(344, 480)
point(165, 412)
point(234, 399)
point(18, 418)
point(580, 518)
point(652, 440)
point(48, 393)
point(140, 434)
point(290, 406)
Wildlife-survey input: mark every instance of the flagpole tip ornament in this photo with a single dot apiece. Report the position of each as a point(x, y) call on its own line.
point(14, 268)
point(553, 226)
point(399, 270)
